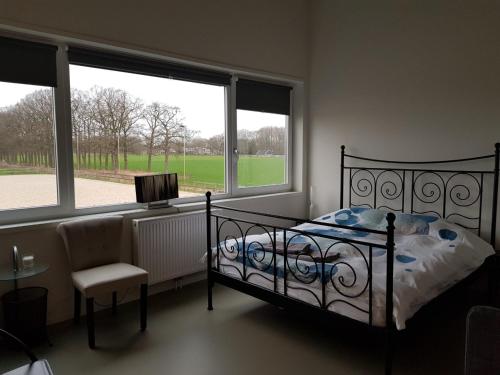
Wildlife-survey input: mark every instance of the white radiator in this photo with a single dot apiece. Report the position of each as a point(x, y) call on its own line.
point(170, 246)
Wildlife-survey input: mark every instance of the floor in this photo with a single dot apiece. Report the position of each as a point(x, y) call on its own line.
point(243, 335)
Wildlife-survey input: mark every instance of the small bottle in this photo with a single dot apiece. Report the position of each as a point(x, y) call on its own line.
point(28, 261)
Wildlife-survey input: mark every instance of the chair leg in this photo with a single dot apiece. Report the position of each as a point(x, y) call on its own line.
point(90, 322)
point(113, 306)
point(144, 306)
point(77, 306)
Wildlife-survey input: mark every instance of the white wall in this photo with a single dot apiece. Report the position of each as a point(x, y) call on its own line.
point(256, 34)
point(252, 35)
point(401, 80)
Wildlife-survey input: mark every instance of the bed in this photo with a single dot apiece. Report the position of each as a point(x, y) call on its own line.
point(406, 233)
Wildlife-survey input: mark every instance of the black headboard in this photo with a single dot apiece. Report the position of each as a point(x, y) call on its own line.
point(456, 190)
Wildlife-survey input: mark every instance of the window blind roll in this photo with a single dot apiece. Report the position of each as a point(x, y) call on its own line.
point(134, 64)
point(26, 62)
point(262, 97)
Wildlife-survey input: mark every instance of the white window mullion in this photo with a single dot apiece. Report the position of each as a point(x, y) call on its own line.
point(232, 140)
point(64, 146)
point(289, 142)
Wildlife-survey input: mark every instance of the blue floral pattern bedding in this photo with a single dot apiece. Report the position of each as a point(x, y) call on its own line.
point(430, 256)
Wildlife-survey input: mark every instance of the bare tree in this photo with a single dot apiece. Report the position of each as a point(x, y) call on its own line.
point(247, 142)
point(30, 128)
point(171, 130)
point(269, 140)
point(152, 115)
point(216, 144)
point(83, 127)
point(130, 114)
point(117, 112)
point(8, 137)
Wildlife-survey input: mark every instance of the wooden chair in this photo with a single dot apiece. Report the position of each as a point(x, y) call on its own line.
point(35, 367)
point(93, 247)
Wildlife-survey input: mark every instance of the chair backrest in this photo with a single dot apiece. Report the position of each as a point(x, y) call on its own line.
point(482, 341)
point(92, 242)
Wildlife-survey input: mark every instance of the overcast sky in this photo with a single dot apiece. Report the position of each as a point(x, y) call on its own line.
point(202, 105)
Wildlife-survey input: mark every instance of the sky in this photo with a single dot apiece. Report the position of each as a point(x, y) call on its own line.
point(202, 106)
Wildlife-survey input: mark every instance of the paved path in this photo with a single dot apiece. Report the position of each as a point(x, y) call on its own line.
point(35, 190)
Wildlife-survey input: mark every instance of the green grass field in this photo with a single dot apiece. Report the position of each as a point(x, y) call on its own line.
point(201, 171)
point(209, 170)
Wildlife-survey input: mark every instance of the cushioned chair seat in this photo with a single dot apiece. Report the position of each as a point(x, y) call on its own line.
point(40, 367)
point(108, 278)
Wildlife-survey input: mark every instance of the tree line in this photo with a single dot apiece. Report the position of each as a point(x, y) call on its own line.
point(26, 131)
point(109, 124)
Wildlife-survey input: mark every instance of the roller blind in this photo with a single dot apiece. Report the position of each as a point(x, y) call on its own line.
point(27, 62)
point(133, 64)
point(262, 97)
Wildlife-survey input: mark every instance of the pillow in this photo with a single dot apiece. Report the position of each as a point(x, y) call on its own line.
point(405, 224)
point(413, 223)
point(375, 219)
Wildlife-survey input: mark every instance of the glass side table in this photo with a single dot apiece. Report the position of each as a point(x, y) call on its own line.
point(25, 309)
point(12, 275)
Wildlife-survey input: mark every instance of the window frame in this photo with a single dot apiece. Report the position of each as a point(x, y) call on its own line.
point(64, 145)
point(238, 191)
point(63, 206)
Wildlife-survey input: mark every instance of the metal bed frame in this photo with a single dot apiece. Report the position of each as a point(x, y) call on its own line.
point(453, 194)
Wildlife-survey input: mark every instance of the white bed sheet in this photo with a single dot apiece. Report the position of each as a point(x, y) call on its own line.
point(427, 263)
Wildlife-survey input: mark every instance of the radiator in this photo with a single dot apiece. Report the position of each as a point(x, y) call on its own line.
point(170, 246)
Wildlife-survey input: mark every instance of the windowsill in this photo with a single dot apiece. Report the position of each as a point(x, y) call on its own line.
point(134, 213)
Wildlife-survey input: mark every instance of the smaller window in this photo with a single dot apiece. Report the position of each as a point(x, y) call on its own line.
point(262, 146)
point(27, 151)
point(262, 133)
point(27, 133)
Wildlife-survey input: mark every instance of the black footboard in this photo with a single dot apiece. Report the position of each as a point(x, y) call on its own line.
point(266, 268)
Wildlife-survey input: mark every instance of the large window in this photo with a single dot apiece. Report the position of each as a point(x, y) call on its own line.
point(127, 124)
point(75, 146)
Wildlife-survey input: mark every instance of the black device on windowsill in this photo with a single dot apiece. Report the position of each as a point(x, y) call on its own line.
point(156, 190)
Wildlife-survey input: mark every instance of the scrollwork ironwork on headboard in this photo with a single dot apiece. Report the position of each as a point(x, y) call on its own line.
point(384, 188)
point(457, 196)
point(425, 187)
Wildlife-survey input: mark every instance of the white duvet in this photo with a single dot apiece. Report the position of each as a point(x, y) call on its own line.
point(431, 255)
